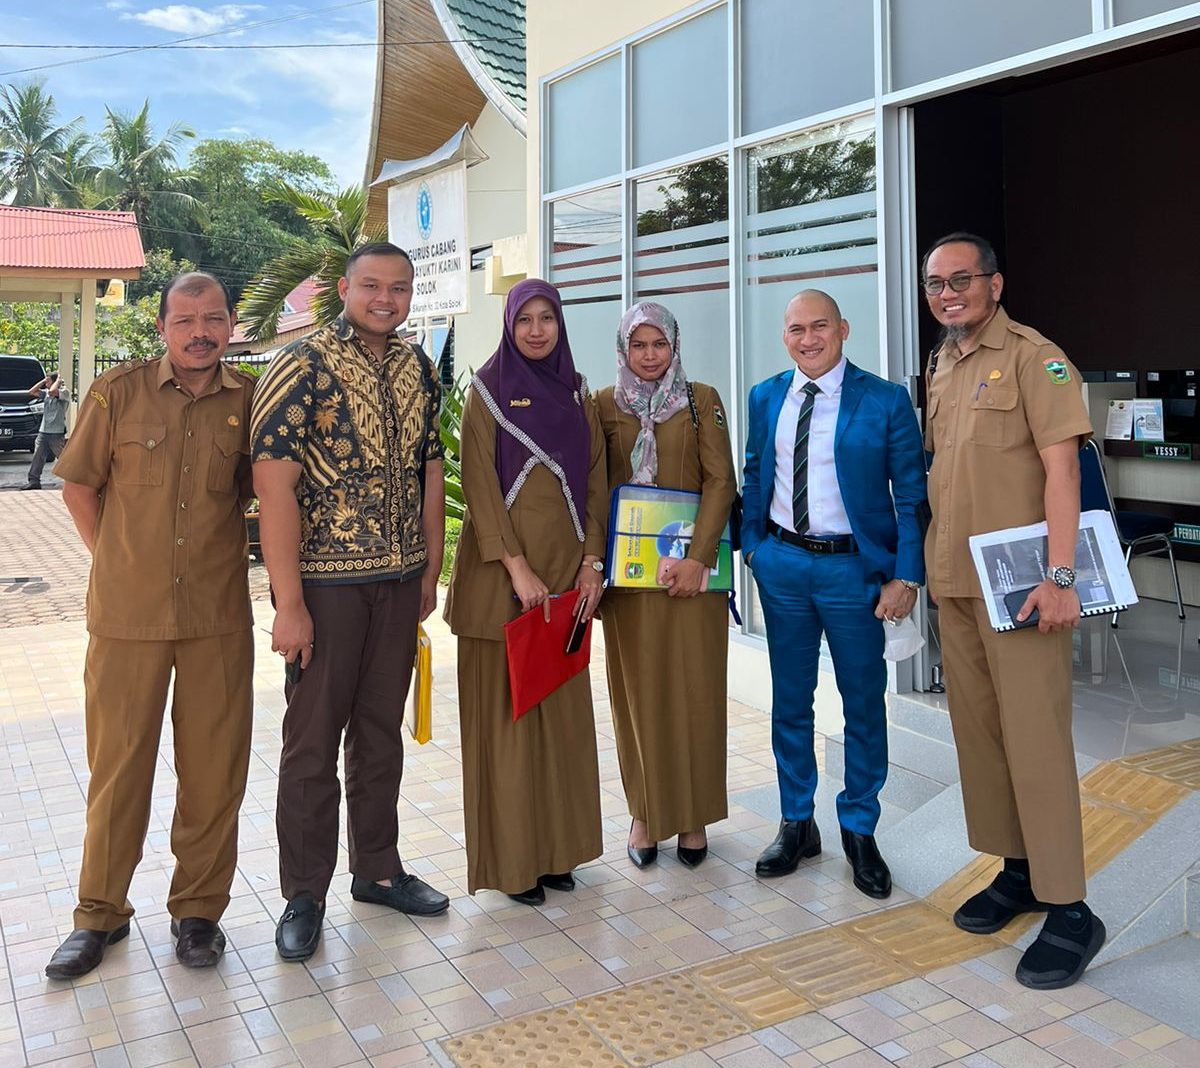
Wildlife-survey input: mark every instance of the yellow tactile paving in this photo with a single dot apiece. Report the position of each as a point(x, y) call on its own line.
point(828, 966)
point(919, 937)
point(1176, 763)
point(1106, 832)
point(759, 998)
point(1128, 788)
point(660, 1019)
point(543, 1040)
point(965, 884)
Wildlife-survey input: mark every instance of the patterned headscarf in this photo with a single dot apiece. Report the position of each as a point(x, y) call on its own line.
point(648, 402)
point(538, 407)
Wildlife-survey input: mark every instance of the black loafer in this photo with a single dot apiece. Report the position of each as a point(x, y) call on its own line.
point(691, 857)
point(535, 896)
point(796, 840)
point(406, 894)
point(565, 881)
point(199, 942)
point(81, 951)
point(871, 874)
point(298, 932)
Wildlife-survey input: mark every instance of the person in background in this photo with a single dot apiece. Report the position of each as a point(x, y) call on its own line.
point(1006, 422)
point(52, 434)
point(156, 477)
point(666, 650)
point(535, 524)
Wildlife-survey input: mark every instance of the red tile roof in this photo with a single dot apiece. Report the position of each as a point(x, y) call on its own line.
point(62, 239)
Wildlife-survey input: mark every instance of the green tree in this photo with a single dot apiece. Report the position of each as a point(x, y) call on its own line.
point(129, 332)
point(81, 158)
point(337, 225)
point(32, 142)
point(142, 174)
point(29, 330)
point(160, 268)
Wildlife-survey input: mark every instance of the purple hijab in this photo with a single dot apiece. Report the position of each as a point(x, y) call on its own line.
point(538, 407)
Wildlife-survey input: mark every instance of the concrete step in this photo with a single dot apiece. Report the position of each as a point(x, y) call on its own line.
point(915, 714)
point(919, 767)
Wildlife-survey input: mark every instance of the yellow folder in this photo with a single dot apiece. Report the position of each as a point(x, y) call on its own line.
point(418, 714)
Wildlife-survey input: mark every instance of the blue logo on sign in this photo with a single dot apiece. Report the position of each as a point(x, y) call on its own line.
point(424, 212)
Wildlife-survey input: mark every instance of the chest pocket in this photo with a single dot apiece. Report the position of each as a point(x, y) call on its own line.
point(229, 446)
point(139, 453)
point(993, 417)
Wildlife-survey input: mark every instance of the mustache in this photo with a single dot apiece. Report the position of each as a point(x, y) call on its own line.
point(207, 342)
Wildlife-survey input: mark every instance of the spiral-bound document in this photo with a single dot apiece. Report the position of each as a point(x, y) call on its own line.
point(1017, 559)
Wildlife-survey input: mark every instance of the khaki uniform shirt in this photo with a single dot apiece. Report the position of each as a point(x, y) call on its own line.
point(173, 471)
point(990, 412)
point(362, 431)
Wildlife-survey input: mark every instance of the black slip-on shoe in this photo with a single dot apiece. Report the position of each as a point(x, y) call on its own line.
point(199, 943)
point(996, 906)
point(82, 951)
point(407, 894)
point(1069, 964)
point(298, 932)
point(563, 881)
point(534, 896)
point(796, 840)
point(871, 874)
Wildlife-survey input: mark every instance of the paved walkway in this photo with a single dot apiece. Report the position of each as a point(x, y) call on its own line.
point(635, 967)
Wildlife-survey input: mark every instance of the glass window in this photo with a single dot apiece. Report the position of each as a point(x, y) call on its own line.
point(584, 128)
point(681, 260)
point(810, 224)
point(585, 264)
point(931, 39)
point(680, 90)
point(1132, 10)
point(836, 39)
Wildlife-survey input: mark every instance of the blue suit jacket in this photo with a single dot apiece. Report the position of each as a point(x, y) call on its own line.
point(880, 461)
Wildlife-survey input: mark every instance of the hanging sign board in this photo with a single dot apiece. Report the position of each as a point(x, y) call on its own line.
point(427, 217)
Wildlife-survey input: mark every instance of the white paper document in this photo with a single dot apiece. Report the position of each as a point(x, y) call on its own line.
point(1148, 419)
point(1017, 559)
point(1120, 420)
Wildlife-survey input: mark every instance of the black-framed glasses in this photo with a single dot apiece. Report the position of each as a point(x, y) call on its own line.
point(960, 283)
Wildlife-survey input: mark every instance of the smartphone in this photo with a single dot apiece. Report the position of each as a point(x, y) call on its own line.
point(575, 639)
point(293, 671)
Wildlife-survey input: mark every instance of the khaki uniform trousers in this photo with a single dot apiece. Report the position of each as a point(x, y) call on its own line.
point(1010, 707)
point(125, 685)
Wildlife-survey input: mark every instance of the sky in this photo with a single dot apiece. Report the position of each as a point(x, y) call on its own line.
point(315, 99)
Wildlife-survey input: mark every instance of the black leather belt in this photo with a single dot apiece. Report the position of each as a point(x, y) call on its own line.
point(839, 543)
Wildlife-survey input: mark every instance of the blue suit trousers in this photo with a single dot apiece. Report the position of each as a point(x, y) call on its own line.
point(802, 594)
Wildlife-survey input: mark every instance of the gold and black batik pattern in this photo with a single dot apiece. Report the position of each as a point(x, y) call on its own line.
point(362, 430)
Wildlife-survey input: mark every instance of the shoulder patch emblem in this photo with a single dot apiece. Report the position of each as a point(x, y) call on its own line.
point(1057, 370)
point(718, 416)
point(100, 398)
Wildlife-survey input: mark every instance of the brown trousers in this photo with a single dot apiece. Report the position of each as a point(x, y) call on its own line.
point(125, 686)
point(1010, 707)
point(365, 637)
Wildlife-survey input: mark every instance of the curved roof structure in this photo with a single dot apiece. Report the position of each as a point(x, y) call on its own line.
point(424, 94)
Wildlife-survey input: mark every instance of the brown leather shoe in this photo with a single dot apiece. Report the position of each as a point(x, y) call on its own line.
point(82, 951)
point(200, 942)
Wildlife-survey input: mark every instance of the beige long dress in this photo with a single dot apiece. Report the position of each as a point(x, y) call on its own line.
point(531, 789)
point(667, 656)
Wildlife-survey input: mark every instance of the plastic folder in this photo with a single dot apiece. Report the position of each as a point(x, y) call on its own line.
point(647, 526)
point(418, 712)
point(538, 663)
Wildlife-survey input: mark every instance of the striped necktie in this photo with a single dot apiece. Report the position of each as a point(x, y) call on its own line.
point(800, 460)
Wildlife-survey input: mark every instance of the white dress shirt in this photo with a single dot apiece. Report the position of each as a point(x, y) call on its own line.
point(826, 511)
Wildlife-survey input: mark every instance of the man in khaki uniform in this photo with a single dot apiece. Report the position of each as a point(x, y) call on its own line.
point(1006, 420)
point(157, 472)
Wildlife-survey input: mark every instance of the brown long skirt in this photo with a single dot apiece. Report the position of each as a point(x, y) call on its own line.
point(531, 789)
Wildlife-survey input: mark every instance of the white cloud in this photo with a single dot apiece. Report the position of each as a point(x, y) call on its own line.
point(119, 5)
point(186, 19)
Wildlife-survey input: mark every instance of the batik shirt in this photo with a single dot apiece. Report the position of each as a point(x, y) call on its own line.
point(363, 430)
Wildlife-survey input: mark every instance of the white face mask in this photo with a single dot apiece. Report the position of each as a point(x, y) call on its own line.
point(901, 640)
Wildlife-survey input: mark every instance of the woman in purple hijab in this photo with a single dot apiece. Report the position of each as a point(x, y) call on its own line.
point(535, 484)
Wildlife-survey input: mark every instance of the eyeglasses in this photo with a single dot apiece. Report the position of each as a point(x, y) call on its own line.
point(960, 283)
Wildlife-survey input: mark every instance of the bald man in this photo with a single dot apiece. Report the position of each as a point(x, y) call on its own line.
point(833, 485)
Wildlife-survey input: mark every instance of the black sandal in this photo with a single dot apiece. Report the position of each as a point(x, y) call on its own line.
point(991, 909)
point(1057, 978)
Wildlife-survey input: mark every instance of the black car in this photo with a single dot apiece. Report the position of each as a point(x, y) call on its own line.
point(20, 414)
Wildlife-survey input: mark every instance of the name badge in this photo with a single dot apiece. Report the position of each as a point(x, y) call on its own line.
point(520, 402)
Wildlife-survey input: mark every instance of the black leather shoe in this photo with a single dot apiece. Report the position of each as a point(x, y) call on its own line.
point(535, 895)
point(565, 881)
point(406, 894)
point(81, 951)
point(796, 839)
point(642, 858)
point(32, 486)
point(298, 932)
point(199, 942)
point(871, 874)
point(691, 857)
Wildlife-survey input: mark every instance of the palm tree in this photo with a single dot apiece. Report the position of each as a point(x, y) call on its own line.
point(78, 173)
point(31, 144)
point(338, 222)
point(142, 174)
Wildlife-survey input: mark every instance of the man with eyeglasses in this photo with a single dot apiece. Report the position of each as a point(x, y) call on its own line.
point(1005, 422)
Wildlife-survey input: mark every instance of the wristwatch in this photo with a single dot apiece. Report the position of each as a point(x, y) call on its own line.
point(595, 565)
point(1062, 577)
point(914, 586)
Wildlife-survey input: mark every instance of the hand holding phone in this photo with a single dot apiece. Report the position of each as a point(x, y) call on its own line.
point(575, 638)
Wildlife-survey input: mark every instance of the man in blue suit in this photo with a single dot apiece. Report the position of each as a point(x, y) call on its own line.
point(833, 485)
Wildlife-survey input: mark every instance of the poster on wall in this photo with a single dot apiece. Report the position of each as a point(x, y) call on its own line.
point(427, 217)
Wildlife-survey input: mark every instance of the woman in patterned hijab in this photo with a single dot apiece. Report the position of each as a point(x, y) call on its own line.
point(666, 648)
